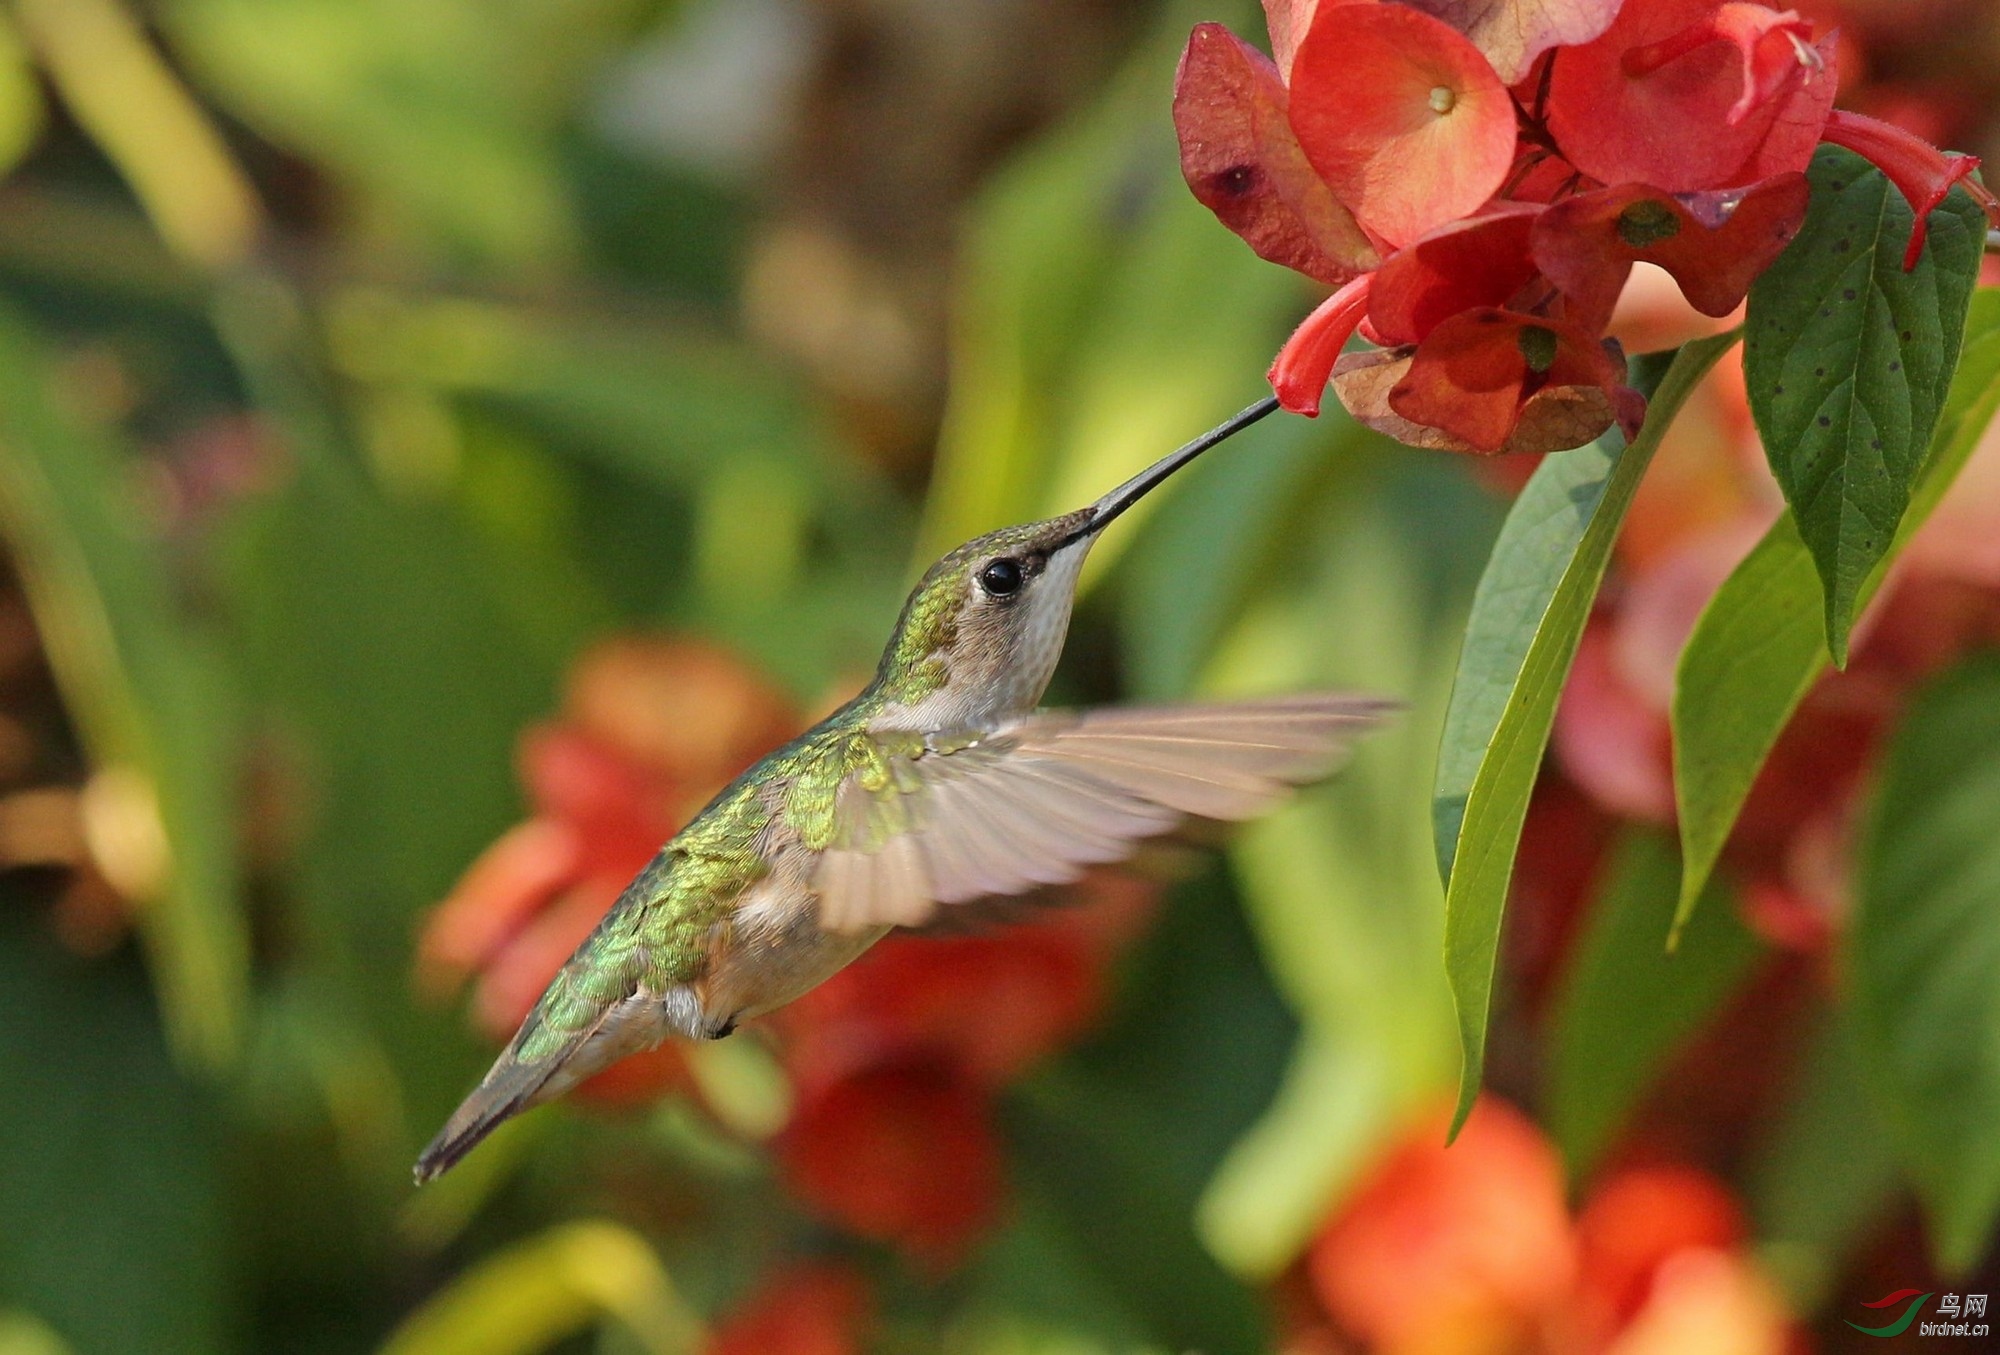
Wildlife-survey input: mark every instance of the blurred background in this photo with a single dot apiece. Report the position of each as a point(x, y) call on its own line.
point(441, 443)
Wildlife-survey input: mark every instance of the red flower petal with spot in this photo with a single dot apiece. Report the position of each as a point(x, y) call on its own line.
point(1714, 244)
point(1512, 33)
point(817, 1308)
point(1299, 373)
point(1472, 375)
point(1921, 172)
point(1480, 261)
point(902, 1152)
point(1682, 94)
point(1239, 155)
point(1402, 117)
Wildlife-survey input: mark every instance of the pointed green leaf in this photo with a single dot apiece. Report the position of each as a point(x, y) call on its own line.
point(1924, 950)
point(1527, 617)
point(1760, 644)
point(1848, 359)
point(1626, 1006)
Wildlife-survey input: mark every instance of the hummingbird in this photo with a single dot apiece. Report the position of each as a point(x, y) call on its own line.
point(940, 784)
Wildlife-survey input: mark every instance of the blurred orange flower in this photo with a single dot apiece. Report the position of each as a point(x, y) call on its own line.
point(1469, 1249)
point(1439, 1243)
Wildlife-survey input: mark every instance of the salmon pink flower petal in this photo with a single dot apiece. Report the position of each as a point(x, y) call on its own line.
point(903, 1152)
point(1239, 155)
point(1480, 261)
point(1287, 22)
point(1921, 172)
point(1681, 94)
point(1714, 244)
point(1473, 376)
point(1299, 373)
point(1512, 33)
point(1402, 117)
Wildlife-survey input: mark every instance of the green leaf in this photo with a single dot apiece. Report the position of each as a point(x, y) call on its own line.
point(1527, 617)
point(1625, 1007)
point(1848, 359)
point(538, 1292)
point(144, 682)
point(1760, 644)
point(1924, 950)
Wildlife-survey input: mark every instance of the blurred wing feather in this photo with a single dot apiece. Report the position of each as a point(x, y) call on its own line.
point(1048, 795)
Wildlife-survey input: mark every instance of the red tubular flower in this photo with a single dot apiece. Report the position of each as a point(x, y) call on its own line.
point(1401, 115)
point(1299, 373)
point(1686, 94)
point(1921, 172)
point(1244, 164)
point(1480, 261)
point(1714, 244)
point(1475, 375)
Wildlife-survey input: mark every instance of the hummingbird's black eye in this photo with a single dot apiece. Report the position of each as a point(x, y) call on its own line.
point(1002, 578)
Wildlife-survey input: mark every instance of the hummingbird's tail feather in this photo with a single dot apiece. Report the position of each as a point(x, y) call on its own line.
point(509, 1088)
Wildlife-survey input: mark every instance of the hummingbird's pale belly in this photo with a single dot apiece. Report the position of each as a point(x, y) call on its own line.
point(774, 950)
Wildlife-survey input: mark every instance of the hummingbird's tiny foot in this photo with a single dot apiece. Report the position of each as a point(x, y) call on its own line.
point(723, 1031)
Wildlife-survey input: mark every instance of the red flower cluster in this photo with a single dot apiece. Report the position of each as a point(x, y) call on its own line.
point(1471, 1248)
point(1477, 180)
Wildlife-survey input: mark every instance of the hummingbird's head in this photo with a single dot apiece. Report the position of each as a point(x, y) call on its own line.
point(979, 638)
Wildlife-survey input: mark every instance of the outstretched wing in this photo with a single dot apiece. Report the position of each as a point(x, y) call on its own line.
point(1042, 798)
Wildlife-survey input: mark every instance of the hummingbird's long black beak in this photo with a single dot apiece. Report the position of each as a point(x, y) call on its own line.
point(1118, 500)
